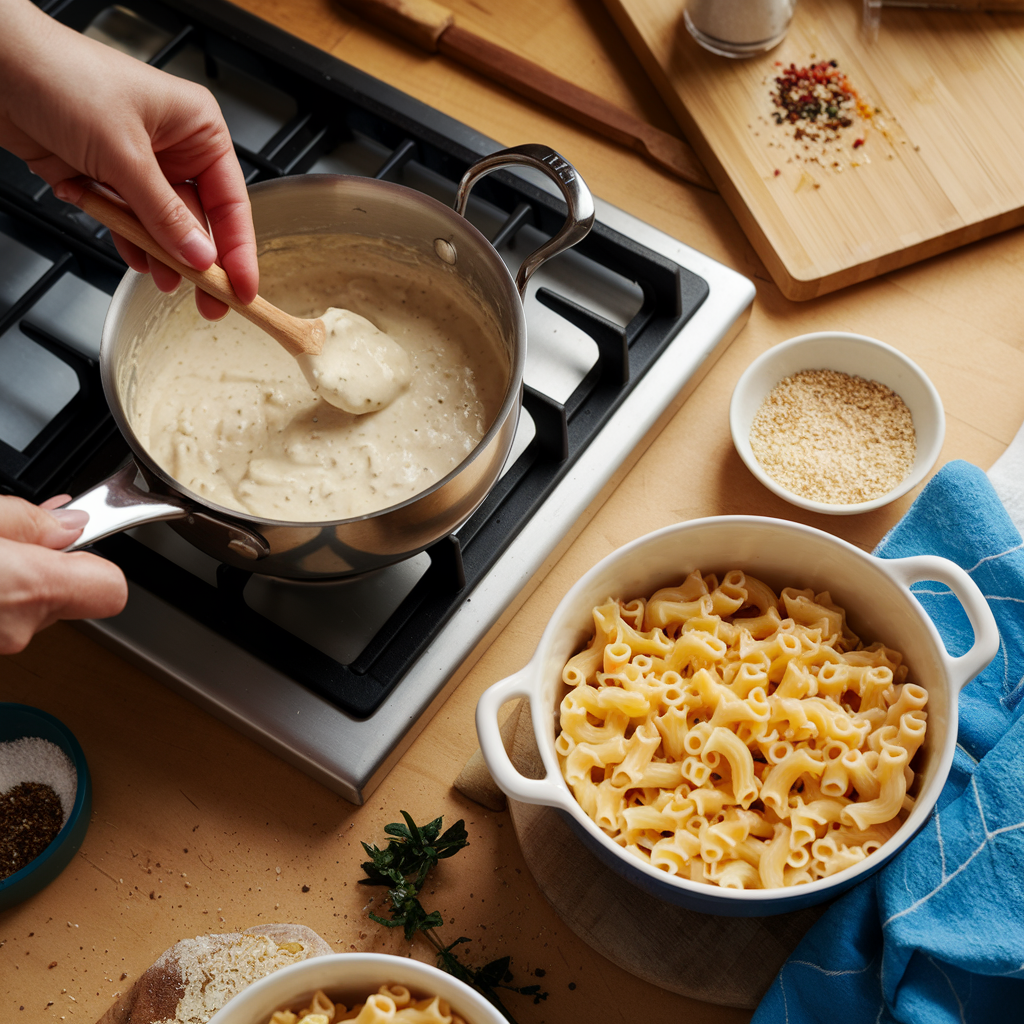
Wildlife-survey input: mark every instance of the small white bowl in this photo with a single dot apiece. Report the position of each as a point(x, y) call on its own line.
point(858, 356)
point(352, 975)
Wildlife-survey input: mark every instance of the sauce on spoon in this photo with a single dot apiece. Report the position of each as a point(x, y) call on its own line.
point(360, 368)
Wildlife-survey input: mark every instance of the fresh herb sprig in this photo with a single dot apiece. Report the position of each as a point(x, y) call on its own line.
point(403, 866)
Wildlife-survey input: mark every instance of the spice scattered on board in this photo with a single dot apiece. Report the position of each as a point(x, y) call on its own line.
point(818, 97)
point(38, 784)
point(834, 438)
point(817, 117)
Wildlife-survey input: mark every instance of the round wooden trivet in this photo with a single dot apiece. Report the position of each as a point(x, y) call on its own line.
point(730, 961)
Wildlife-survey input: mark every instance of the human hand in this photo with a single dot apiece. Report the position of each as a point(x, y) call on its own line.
point(71, 106)
point(39, 582)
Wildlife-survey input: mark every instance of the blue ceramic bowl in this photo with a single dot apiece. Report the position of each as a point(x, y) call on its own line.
point(18, 721)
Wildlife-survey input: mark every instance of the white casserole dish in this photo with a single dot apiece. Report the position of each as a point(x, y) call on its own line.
point(880, 607)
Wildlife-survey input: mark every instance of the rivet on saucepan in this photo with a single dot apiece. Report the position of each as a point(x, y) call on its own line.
point(243, 548)
point(445, 250)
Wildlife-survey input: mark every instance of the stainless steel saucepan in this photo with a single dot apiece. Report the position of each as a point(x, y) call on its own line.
point(336, 205)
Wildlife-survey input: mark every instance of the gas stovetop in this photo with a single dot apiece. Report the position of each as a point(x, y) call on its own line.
point(339, 677)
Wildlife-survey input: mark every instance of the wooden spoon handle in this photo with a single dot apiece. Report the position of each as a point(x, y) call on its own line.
point(295, 334)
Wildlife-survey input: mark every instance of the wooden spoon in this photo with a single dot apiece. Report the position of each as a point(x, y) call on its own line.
point(343, 356)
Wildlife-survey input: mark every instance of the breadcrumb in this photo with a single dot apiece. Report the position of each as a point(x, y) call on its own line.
point(834, 438)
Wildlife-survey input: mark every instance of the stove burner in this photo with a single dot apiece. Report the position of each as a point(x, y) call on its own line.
point(600, 318)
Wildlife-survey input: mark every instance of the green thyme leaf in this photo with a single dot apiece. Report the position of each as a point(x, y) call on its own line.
point(402, 867)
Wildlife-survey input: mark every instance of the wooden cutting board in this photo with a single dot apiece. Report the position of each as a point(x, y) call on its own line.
point(942, 159)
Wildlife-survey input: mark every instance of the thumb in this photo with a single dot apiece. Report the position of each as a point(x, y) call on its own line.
point(27, 523)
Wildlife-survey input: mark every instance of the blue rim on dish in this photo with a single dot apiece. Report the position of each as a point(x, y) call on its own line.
point(18, 721)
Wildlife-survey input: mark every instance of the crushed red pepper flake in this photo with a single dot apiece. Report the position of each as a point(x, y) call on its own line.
point(817, 105)
point(820, 94)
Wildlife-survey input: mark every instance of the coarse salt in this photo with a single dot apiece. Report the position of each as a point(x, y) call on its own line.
point(33, 759)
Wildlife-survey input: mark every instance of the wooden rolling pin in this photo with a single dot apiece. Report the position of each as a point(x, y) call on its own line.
point(431, 27)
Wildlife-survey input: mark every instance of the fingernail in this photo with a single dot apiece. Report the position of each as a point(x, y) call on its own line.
point(70, 518)
point(198, 250)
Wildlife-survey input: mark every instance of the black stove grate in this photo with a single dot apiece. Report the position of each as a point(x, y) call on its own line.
point(310, 108)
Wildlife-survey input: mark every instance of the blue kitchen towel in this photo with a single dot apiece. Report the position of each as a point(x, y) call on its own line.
point(938, 934)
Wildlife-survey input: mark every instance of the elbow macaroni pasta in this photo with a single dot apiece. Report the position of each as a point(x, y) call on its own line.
point(727, 735)
point(390, 1004)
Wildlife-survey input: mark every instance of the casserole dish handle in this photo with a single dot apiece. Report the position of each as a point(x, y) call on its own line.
point(986, 633)
point(546, 791)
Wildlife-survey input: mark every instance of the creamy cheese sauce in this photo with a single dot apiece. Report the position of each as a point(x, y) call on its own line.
point(360, 368)
point(227, 412)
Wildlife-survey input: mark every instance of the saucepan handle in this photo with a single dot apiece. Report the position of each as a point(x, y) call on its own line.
point(986, 633)
point(573, 188)
point(548, 792)
point(118, 503)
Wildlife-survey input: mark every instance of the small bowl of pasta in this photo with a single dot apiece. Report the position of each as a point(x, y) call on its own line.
point(366, 988)
point(743, 716)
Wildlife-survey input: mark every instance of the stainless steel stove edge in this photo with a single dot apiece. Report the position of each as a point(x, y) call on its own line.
point(351, 756)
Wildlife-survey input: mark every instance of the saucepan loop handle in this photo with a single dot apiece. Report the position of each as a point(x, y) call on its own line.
point(549, 792)
point(921, 568)
point(574, 190)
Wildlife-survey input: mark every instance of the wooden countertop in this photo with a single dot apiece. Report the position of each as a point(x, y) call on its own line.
point(197, 829)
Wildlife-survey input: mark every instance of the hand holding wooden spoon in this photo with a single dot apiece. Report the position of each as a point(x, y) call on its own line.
point(344, 357)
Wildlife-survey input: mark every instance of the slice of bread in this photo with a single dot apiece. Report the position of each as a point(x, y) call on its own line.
point(196, 977)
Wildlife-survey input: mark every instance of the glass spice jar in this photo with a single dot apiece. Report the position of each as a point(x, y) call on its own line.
point(738, 28)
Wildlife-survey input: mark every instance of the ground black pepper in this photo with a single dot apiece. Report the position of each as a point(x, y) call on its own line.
point(30, 818)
